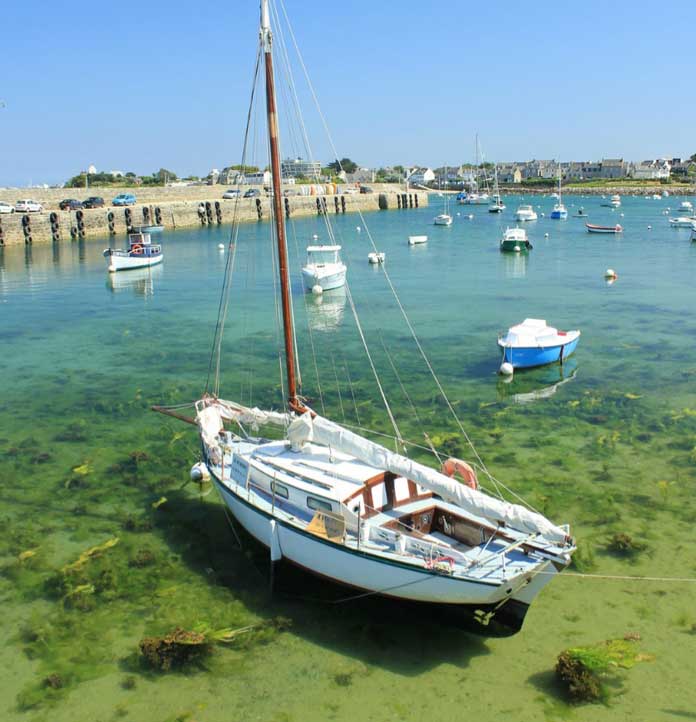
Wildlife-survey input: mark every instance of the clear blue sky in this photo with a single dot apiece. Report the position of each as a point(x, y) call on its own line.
point(138, 86)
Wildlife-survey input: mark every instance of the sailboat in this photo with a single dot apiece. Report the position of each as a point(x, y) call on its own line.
point(444, 219)
point(476, 197)
point(496, 205)
point(346, 508)
point(559, 212)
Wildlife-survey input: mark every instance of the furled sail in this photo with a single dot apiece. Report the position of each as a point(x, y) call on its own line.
point(322, 431)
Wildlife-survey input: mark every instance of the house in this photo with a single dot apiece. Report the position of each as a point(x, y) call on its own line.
point(652, 169)
point(361, 175)
point(613, 168)
point(539, 169)
point(509, 173)
point(258, 179)
point(421, 176)
point(300, 168)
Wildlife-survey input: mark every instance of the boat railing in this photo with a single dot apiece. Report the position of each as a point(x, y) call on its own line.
point(502, 552)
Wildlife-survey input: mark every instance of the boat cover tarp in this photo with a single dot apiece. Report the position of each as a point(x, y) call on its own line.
point(322, 431)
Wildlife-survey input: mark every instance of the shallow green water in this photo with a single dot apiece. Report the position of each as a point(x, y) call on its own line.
point(83, 461)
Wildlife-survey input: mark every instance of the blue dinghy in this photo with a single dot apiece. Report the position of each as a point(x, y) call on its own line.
point(533, 343)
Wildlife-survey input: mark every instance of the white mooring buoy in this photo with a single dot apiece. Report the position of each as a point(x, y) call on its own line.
point(317, 290)
point(506, 369)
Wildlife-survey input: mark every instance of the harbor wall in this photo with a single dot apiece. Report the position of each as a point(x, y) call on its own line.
point(204, 207)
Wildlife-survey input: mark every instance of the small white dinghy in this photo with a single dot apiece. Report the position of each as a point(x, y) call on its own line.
point(376, 256)
point(141, 253)
point(415, 240)
point(444, 219)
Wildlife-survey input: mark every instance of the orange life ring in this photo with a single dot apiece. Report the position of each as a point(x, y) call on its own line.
point(467, 474)
point(137, 249)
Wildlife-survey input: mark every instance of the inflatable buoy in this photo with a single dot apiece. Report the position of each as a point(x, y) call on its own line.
point(221, 246)
point(650, 228)
point(506, 369)
point(199, 472)
point(611, 273)
point(471, 216)
point(546, 235)
point(358, 229)
point(317, 290)
point(464, 471)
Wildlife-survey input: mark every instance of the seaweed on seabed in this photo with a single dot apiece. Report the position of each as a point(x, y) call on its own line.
point(181, 647)
point(623, 544)
point(584, 671)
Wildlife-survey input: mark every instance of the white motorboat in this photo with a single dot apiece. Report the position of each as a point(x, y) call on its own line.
point(346, 508)
point(681, 222)
point(496, 205)
point(417, 240)
point(444, 219)
point(525, 213)
point(615, 201)
point(686, 208)
point(141, 253)
point(376, 257)
point(324, 268)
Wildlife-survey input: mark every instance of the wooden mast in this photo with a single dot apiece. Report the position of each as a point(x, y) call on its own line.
point(267, 40)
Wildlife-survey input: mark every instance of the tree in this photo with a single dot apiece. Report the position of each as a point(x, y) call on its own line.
point(163, 175)
point(693, 158)
point(345, 164)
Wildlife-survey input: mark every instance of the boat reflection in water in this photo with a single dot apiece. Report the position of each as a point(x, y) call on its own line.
point(141, 281)
point(514, 264)
point(325, 311)
point(537, 384)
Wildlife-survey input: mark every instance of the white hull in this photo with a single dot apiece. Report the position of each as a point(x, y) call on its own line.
point(443, 220)
point(416, 240)
point(327, 279)
point(354, 568)
point(525, 216)
point(127, 263)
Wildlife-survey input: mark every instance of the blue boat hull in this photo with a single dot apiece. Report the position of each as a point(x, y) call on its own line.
point(522, 358)
point(559, 215)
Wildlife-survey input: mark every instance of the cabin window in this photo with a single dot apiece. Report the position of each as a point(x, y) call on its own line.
point(280, 490)
point(318, 504)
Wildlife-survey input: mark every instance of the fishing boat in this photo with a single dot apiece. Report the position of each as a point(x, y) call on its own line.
point(559, 211)
point(346, 508)
point(592, 228)
point(141, 252)
point(324, 269)
point(533, 343)
point(515, 240)
point(525, 213)
point(417, 240)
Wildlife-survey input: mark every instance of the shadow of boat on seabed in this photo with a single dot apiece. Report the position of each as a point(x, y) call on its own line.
point(400, 637)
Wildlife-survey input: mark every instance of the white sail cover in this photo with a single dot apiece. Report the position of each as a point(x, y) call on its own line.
point(322, 431)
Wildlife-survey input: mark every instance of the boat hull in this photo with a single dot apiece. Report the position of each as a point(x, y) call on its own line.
point(327, 282)
point(515, 246)
point(603, 229)
point(559, 215)
point(147, 229)
point(128, 263)
point(521, 358)
point(375, 577)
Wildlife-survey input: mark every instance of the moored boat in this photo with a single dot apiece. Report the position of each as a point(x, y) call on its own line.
point(443, 219)
point(324, 268)
point(376, 257)
point(417, 240)
point(615, 201)
point(346, 508)
point(141, 252)
point(515, 240)
point(525, 213)
point(681, 222)
point(148, 228)
point(534, 343)
point(592, 228)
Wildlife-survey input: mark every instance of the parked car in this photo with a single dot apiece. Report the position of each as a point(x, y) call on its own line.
point(253, 193)
point(70, 204)
point(28, 206)
point(124, 199)
point(6, 207)
point(349, 190)
point(232, 193)
point(93, 202)
point(366, 189)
